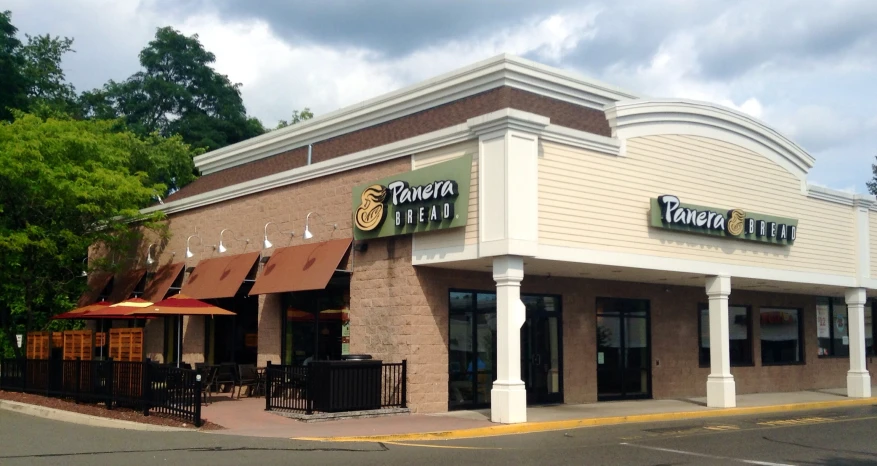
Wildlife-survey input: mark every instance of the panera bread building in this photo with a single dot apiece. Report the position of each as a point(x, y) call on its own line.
point(522, 235)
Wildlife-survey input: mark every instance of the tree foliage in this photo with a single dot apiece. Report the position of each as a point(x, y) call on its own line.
point(31, 76)
point(67, 185)
point(872, 185)
point(48, 91)
point(177, 92)
point(13, 85)
point(297, 117)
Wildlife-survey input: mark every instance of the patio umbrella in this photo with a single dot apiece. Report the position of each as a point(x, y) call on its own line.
point(79, 312)
point(181, 305)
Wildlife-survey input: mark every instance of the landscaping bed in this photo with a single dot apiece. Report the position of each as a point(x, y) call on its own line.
point(100, 410)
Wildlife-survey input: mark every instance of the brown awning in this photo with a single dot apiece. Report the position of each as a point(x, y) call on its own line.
point(124, 284)
point(300, 268)
point(220, 277)
point(159, 284)
point(97, 281)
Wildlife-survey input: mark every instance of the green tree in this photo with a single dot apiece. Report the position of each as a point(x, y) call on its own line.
point(177, 92)
point(66, 186)
point(872, 185)
point(13, 85)
point(31, 76)
point(48, 91)
point(297, 117)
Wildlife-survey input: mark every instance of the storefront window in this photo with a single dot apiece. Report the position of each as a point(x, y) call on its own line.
point(781, 341)
point(472, 346)
point(739, 335)
point(313, 322)
point(870, 328)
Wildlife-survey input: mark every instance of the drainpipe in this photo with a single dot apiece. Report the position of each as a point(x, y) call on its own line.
point(310, 150)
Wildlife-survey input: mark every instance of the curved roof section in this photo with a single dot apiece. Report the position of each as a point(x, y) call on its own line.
point(642, 117)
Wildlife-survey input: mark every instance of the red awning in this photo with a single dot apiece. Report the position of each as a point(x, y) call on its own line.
point(220, 277)
point(97, 281)
point(124, 284)
point(299, 268)
point(158, 285)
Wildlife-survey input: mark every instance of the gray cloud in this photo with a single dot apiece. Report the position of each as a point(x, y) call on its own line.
point(392, 27)
point(785, 33)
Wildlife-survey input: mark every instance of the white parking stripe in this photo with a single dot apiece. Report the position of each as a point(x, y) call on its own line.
point(702, 455)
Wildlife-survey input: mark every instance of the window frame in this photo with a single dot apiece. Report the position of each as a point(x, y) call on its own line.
point(705, 306)
point(802, 350)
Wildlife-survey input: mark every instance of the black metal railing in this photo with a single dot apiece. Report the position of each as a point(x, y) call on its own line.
point(174, 391)
point(286, 388)
point(394, 385)
point(143, 386)
point(336, 386)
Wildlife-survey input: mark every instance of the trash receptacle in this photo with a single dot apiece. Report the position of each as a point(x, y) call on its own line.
point(356, 357)
point(347, 385)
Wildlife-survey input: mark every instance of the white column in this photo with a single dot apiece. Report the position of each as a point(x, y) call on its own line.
point(858, 378)
point(721, 391)
point(508, 398)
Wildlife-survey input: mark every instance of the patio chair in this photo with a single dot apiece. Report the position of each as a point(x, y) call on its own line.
point(226, 374)
point(208, 379)
point(247, 377)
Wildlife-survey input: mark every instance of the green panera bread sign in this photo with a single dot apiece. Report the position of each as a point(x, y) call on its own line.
point(428, 199)
point(669, 213)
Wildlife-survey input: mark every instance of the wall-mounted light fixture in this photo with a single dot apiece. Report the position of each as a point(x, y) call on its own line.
point(189, 253)
point(84, 268)
point(149, 259)
point(307, 233)
point(222, 247)
point(267, 244)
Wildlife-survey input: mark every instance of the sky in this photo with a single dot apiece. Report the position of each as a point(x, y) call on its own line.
point(807, 68)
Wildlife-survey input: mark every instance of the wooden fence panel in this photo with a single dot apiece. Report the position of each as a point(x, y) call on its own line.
point(78, 344)
point(38, 345)
point(126, 344)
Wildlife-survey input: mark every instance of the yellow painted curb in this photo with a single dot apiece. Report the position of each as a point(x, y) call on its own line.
point(546, 426)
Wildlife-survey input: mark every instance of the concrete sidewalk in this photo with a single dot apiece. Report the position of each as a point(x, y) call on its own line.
point(248, 417)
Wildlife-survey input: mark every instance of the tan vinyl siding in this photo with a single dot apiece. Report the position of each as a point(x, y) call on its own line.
point(469, 234)
point(594, 201)
point(872, 237)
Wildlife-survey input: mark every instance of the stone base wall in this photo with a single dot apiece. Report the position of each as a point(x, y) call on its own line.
point(401, 312)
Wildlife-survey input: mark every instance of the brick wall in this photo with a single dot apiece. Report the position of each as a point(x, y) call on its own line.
point(329, 198)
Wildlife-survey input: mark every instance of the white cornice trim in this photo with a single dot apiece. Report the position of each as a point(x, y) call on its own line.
point(502, 70)
point(582, 140)
point(865, 201)
point(508, 118)
point(631, 118)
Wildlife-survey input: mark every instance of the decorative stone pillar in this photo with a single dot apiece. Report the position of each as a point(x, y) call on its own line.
point(720, 386)
point(508, 398)
point(858, 378)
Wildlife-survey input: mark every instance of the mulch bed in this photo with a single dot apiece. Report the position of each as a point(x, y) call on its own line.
point(100, 410)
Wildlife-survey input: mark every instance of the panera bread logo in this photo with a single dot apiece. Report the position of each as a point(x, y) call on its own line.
point(432, 202)
point(371, 212)
point(669, 212)
point(432, 198)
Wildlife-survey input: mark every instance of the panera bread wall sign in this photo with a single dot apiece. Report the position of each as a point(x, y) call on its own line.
point(670, 213)
point(428, 199)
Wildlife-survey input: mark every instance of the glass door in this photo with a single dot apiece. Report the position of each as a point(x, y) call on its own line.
point(623, 350)
point(541, 350)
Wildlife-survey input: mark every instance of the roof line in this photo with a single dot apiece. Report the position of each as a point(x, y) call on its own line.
point(498, 71)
